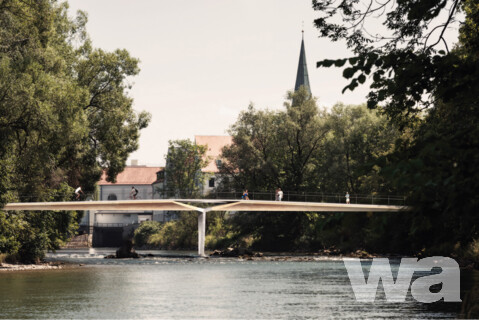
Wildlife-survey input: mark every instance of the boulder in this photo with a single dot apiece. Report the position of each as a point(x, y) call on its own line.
point(127, 251)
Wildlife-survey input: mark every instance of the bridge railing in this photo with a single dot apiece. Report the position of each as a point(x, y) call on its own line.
point(270, 196)
point(313, 197)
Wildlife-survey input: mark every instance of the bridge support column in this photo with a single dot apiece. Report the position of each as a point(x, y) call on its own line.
point(201, 233)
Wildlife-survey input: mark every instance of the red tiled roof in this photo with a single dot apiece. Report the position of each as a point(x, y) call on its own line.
point(133, 176)
point(215, 145)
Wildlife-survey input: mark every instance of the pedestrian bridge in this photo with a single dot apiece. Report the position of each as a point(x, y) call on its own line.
point(211, 205)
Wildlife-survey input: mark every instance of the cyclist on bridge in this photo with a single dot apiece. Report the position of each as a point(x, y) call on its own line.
point(133, 193)
point(78, 191)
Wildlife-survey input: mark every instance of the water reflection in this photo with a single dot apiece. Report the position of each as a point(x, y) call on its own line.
point(159, 287)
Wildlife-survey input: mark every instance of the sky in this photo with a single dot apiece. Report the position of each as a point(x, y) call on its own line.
point(203, 62)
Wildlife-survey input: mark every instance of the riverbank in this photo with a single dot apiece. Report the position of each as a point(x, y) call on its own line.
point(51, 265)
point(245, 252)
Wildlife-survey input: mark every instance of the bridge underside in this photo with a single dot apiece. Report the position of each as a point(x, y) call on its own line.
point(217, 205)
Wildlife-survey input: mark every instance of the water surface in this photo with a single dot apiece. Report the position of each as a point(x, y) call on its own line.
point(188, 287)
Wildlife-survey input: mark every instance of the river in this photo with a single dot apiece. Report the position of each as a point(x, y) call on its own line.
point(194, 288)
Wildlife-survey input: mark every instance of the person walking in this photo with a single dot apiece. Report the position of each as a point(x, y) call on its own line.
point(347, 198)
point(245, 195)
point(280, 194)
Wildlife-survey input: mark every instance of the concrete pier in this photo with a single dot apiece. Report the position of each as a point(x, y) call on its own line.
point(201, 233)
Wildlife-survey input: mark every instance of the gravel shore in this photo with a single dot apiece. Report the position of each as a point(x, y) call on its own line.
point(41, 266)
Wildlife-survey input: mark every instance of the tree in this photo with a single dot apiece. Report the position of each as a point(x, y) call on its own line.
point(430, 90)
point(272, 149)
point(409, 62)
point(357, 140)
point(65, 115)
point(183, 172)
point(301, 131)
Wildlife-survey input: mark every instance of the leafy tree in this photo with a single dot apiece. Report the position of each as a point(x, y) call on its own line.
point(183, 172)
point(409, 62)
point(64, 116)
point(430, 90)
point(301, 131)
point(349, 160)
point(272, 149)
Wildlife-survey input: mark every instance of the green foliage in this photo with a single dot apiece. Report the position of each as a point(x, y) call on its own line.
point(303, 149)
point(219, 231)
point(183, 172)
point(64, 116)
point(178, 234)
point(439, 171)
point(408, 61)
point(272, 149)
point(413, 69)
point(144, 231)
point(183, 233)
point(349, 160)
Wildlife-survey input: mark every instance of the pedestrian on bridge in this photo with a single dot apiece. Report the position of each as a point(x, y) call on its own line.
point(280, 194)
point(245, 195)
point(347, 198)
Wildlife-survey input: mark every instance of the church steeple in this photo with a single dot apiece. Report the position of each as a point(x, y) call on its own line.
point(302, 78)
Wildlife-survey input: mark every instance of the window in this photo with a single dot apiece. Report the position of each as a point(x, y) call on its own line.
point(211, 183)
point(112, 196)
point(218, 163)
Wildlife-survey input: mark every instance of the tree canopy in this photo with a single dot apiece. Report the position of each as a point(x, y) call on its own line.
point(303, 148)
point(65, 113)
point(429, 88)
point(407, 58)
point(183, 172)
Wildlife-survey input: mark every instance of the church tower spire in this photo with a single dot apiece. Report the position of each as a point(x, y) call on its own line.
point(302, 78)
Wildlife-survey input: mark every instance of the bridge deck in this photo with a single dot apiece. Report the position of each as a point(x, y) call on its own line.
point(218, 205)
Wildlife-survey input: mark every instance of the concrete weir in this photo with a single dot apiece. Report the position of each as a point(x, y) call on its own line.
point(218, 205)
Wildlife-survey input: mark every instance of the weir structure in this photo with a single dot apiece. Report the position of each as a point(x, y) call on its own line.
point(214, 205)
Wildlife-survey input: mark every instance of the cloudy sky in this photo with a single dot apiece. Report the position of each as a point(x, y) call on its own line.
point(202, 62)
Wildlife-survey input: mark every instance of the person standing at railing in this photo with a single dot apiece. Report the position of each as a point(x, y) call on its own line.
point(347, 198)
point(245, 195)
point(280, 194)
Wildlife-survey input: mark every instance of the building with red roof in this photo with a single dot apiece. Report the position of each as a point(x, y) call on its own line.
point(133, 177)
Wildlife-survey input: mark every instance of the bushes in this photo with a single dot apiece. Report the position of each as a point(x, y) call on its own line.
point(144, 232)
point(170, 237)
point(178, 234)
point(183, 233)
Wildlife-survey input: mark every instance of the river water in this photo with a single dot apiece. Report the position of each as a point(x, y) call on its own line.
point(194, 288)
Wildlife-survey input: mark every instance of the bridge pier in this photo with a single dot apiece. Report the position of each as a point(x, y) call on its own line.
point(201, 233)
